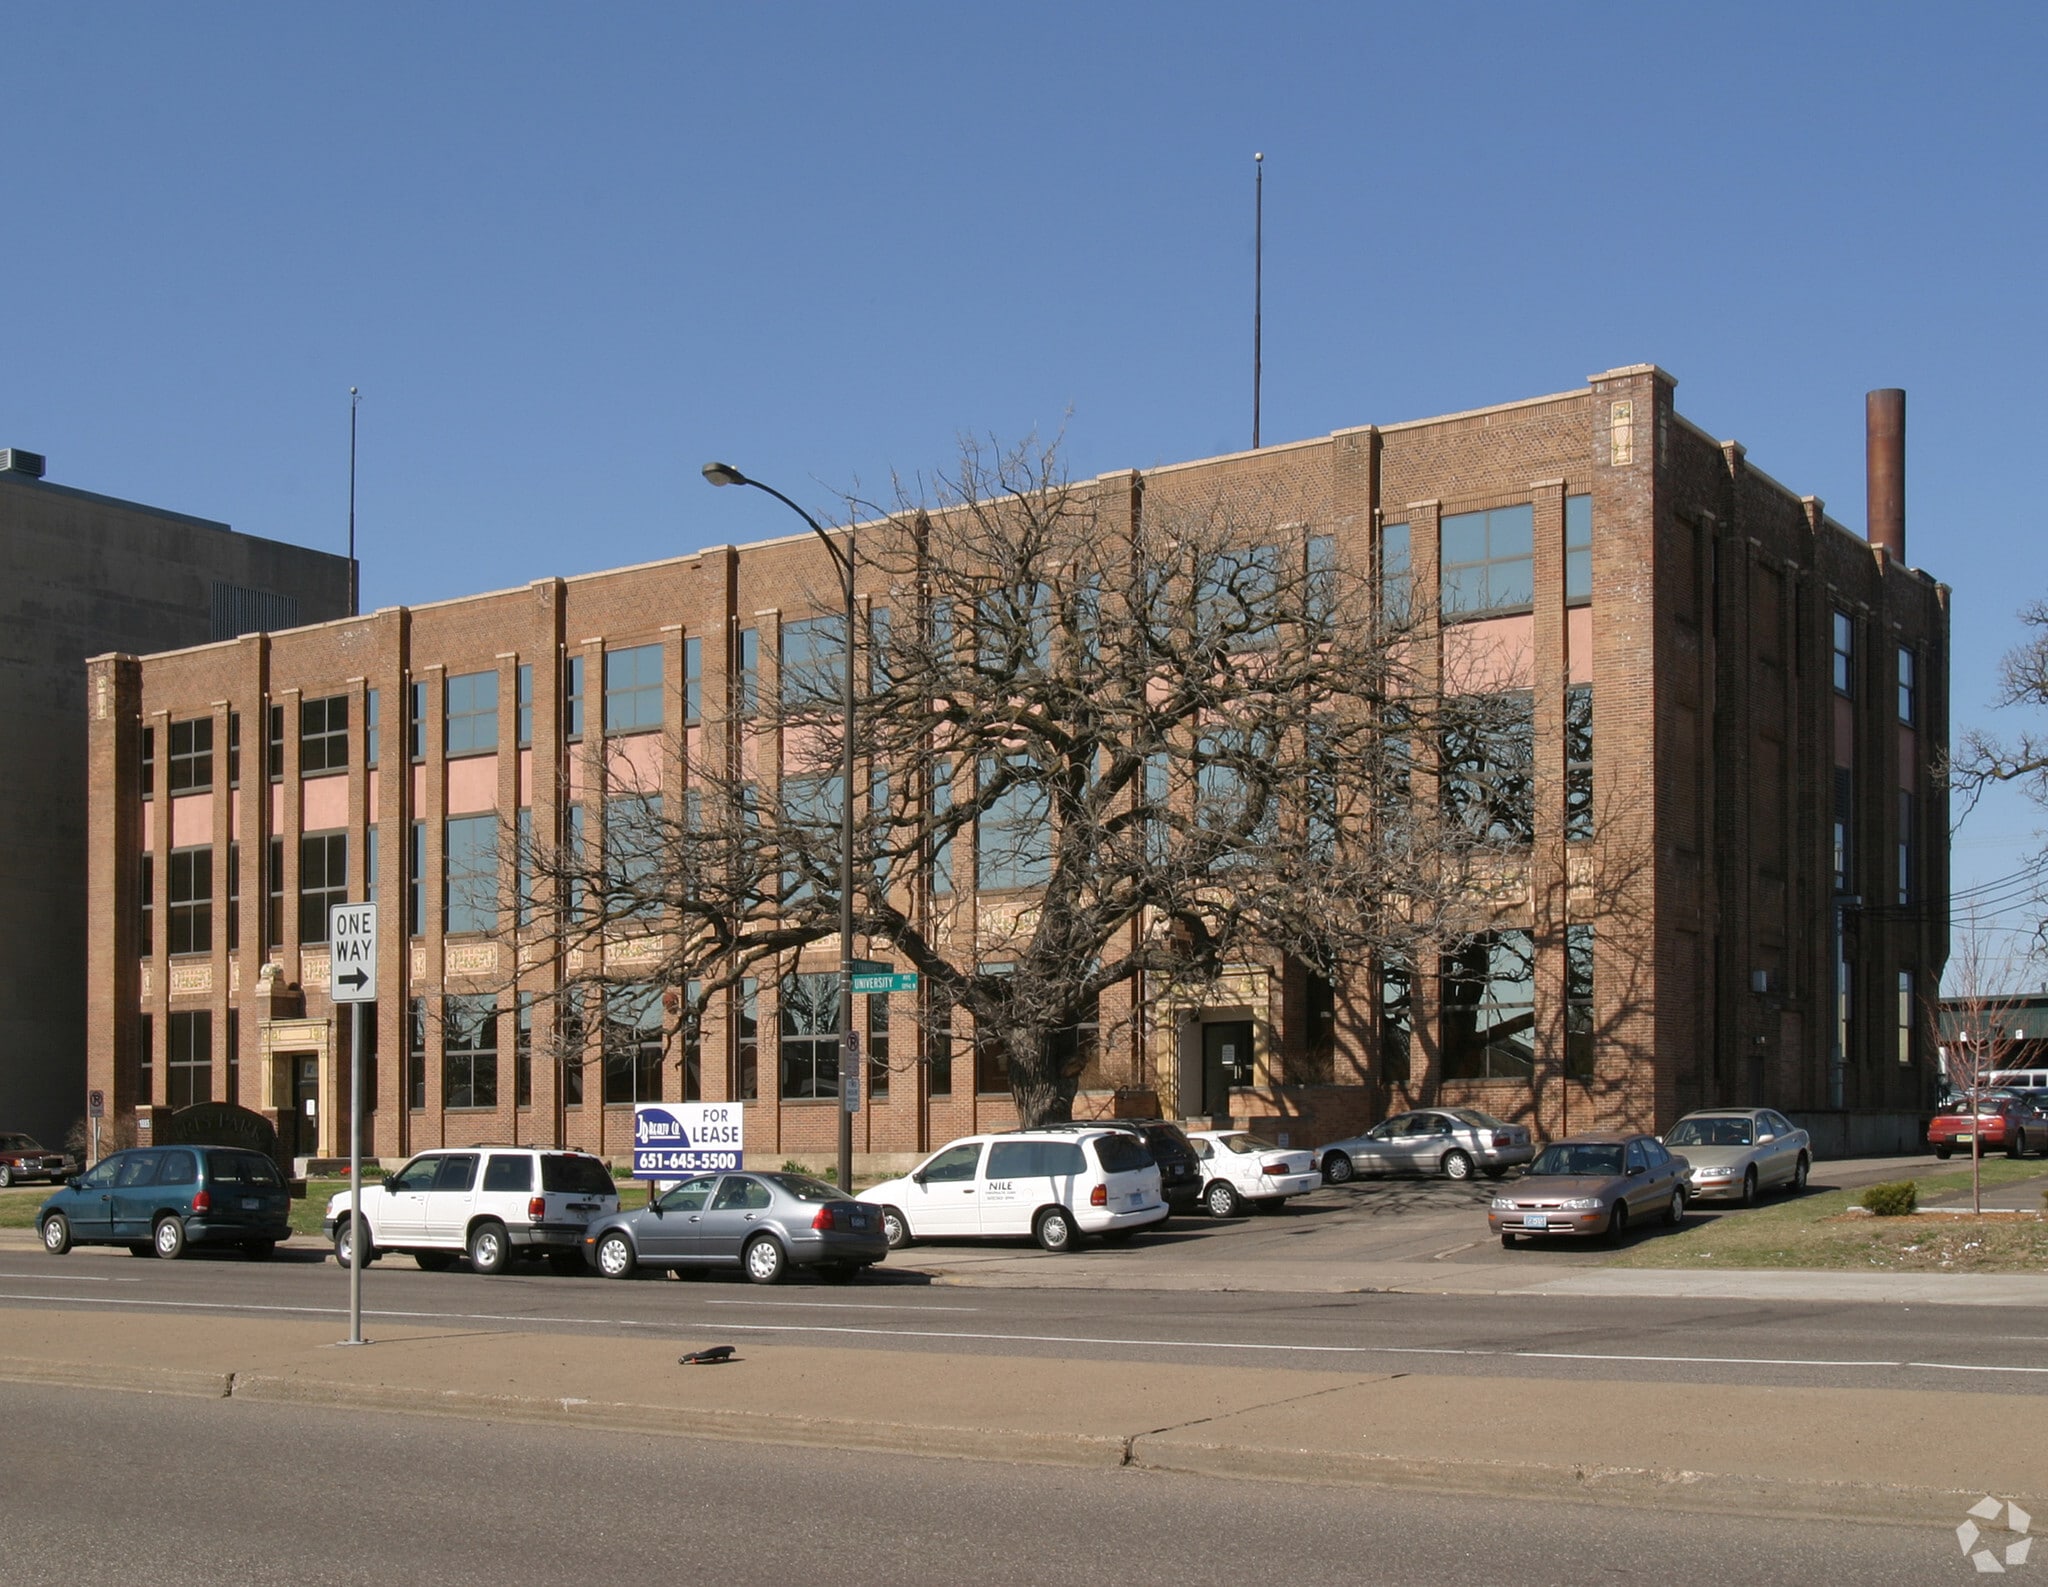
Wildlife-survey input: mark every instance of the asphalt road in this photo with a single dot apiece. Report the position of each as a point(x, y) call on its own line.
point(189, 1493)
point(1694, 1341)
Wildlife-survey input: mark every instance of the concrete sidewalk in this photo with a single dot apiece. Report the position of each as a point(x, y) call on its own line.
point(1873, 1454)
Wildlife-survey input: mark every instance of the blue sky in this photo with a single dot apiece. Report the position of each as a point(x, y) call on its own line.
point(569, 253)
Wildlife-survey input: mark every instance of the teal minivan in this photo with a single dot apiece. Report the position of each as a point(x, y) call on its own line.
point(163, 1199)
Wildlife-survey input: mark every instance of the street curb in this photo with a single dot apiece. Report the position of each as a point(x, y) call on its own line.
point(1697, 1492)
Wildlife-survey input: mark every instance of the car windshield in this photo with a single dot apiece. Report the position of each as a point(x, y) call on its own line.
point(1478, 1120)
point(1121, 1154)
point(1245, 1145)
point(805, 1188)
point(1578, 1158)
point(575, 1175)
point(244, 1168)
point(1731, 1130)
point(18, 1143)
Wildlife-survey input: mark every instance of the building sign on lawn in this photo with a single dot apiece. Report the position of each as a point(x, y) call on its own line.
point(673, 1139)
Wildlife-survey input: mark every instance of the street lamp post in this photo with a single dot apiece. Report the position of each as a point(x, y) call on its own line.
point(843, 561)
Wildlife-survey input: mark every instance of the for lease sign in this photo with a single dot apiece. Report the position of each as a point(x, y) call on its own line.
point(672, 1139)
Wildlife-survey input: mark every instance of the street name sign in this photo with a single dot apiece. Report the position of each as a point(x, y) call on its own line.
point(885, 981)
point(352, 953)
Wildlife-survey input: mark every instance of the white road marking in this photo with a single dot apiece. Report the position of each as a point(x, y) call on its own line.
point(68, 1278)
point(841, 1305)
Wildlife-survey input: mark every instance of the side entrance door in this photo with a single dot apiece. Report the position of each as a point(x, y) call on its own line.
point(947, 1200)
point(135, 1194)
point(1226, 1062)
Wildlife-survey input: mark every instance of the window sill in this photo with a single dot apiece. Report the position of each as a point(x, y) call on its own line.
point(322, 774)
point(469, 754)
point(1451, 619)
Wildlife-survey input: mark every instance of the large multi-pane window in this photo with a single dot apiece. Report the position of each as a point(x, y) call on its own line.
point(692, 1038)
point(991, 1053)
point(632, 1045)
point(1013, 839)
point(1844, 653)
point(416, 721)
point(273, 888)
point(633, 853)
point(1397, 573)
point(323, 735)
point(878, 1047)
point(746, 672)
point(811, 809)
point(189, 900)
point(472, 722)
point(1908, 705)
point(522, 1051)
point(416, 1053)
point(370, 699)
point(235, 749)
point(572, 698)
point(571, 1035)
point(1489, 561)
point(145, 1057)
point(810, 1036)
point(234, 1045)
point(1578, 550)
point(273, 751)
point(1230, 806)
point(1489, 1008)
point(1397, 1015)
point(693, 680)
point(524, 706)
point(145, 905)
point(191, 765)
point(813, 663)
point(1578, 762)
point(470, 871)
point(1578, 1002)
point(323, 881)
point(938, 1045)
point(572, 859)
point(1237, 595)
point(416, 880)
point(145, 766)
point(234, 910)
point(188, 1060)
point(632, 689)
point(1489, 766)
point(746, 1054)
point(469, 1051)
point(942, 843)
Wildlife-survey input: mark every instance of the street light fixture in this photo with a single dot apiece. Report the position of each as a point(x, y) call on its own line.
point(843, 561)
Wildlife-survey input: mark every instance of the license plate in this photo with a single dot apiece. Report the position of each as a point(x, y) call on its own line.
point(1966, 1135)
point(1138, 1200)
point(251, 1204)
point(860, 1223)
point(1535, 1220)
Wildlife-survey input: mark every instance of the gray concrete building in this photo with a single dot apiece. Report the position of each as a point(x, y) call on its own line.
point(82, 574)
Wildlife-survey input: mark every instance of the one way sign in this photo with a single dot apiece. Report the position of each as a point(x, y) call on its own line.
point(352, 952)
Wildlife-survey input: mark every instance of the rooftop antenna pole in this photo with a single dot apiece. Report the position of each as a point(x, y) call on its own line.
point(1258, 281)
point(354, 582)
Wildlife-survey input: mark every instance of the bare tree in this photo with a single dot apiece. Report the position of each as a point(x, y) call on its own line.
point(1105, 735)
point(1976, 1026)
point(1985, 759)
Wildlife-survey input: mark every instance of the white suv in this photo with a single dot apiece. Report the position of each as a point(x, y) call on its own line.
point(489, 1203)
point(1053, 1186)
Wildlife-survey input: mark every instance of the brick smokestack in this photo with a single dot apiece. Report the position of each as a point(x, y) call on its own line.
point(1884, 419)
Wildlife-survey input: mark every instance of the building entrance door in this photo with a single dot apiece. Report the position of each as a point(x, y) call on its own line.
point(302, 1076)
point(1226, 1062)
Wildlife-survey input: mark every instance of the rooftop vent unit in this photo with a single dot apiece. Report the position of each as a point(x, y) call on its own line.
point(13, 460)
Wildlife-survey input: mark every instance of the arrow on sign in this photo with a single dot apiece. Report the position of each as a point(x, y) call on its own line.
point(353, 979)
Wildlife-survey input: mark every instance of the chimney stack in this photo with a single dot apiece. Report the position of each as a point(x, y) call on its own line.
point(1884, 418)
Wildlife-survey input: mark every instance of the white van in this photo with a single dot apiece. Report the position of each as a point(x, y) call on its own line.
point(1053, 1187)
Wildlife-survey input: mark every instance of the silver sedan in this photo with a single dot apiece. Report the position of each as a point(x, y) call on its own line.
point(1453, 1142)
point(1737, 1152)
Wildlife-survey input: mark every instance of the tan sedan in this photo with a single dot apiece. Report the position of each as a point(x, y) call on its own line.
point(1589, 1185)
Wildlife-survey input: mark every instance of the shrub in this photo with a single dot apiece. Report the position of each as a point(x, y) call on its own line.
point(1895, 1200)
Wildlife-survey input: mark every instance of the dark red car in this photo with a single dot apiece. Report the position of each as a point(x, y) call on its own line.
point(23, 1159)
point(2002, 1122)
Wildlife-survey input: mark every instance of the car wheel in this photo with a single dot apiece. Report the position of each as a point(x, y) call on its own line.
point(6, 1175)
point(169, 1238)
point(1222, 1201)
point(56, 1234)
point(1749, 1186)
point(258, 1250)
point(764, 1260)
point(344, 1239)
point(1054, 1230)
point(490, 1249)
point(1457, 1165)
point(434, 1261)
point(615, 1256)
point(1617, 1221)
point(566, 1264)
point(2019, 1145)
point(1798, 1185)
point(1337, 1169)
point(1944, 1152)
point(895, 1229)
point(1507, 1238)
point(1674, 1214)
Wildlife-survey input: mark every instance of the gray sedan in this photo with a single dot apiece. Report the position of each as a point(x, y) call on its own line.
point(763, 1224)
point(1448, 1141)
point(1736, 1152)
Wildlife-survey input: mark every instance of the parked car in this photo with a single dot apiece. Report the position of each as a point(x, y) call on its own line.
point(2002, 1121)
point(1240, 1169)
point(166, 1199)
point(1740, 1151)
point(23, 1158)
point(491, 1204)
point(1053, 1185)
point(1589, 1185)
point(1180, 1170)
point(763, 1224)
point(1448, 1141)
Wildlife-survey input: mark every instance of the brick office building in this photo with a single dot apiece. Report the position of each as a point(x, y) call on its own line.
point(81, 573)
point(1731, 887)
